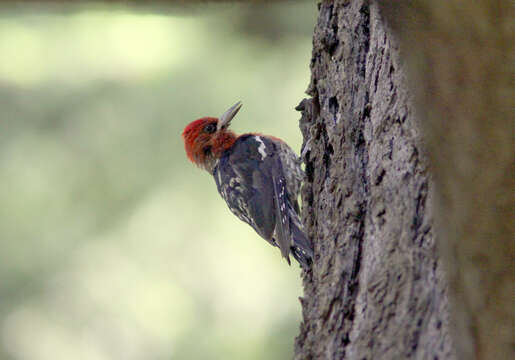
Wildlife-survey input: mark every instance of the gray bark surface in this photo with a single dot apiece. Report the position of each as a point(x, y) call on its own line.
point(460, 57)
point(377, 289)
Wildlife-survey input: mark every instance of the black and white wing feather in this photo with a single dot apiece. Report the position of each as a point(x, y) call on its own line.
point(251, 179)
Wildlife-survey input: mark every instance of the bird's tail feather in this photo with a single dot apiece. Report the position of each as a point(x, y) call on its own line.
point(301, 249)
point(290, 235)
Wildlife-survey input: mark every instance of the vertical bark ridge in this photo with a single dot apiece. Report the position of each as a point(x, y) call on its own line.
point(376, 290)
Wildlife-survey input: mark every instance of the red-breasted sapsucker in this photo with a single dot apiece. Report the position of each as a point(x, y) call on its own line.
point(258, 176)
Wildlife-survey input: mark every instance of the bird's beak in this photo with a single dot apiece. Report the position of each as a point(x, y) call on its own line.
point(225, 119)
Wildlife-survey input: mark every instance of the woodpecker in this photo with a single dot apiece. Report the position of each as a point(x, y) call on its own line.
point(258, 176)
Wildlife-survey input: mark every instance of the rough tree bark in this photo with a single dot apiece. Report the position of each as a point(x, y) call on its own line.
point(377, 289)
point(460, 57)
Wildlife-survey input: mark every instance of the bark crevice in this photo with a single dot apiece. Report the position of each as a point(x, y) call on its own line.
point(376, 289)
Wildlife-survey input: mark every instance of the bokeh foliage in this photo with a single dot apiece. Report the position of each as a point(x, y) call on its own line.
point(113, 246)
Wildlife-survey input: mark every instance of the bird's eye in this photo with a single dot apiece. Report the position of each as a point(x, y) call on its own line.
point(210, 128)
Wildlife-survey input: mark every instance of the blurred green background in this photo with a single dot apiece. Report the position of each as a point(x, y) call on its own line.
point(113, 246)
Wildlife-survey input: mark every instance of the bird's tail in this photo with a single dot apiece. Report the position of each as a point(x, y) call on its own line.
point(291, 237)
point(301, 249)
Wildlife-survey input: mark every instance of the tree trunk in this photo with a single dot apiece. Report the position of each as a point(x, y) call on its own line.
point(377, 289)
point(460, 56)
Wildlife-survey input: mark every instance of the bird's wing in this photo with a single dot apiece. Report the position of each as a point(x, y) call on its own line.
point(244, 180)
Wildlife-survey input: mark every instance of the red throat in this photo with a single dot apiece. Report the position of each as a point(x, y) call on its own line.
point(222, 142)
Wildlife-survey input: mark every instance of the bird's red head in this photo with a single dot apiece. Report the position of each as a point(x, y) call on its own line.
point(207, 138)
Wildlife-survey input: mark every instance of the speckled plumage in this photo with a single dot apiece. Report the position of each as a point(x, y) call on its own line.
point(258, 176)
